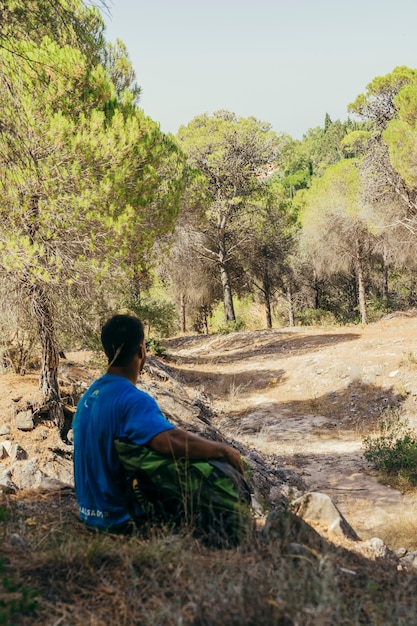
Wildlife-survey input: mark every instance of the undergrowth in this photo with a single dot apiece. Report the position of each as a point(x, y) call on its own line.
point(392, 449)
point(166, 579)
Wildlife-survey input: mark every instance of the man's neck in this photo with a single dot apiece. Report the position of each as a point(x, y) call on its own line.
point(125, 372)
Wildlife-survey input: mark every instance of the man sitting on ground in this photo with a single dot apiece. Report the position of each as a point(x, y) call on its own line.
point(131, 463)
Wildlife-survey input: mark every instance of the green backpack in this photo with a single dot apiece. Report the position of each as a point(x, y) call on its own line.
point(210, 496)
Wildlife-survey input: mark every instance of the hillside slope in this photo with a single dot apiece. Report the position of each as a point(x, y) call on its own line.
point(309, 395)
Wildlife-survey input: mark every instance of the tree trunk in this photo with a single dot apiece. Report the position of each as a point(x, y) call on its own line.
point(268, 312)
point(316, 290)
point(361, 283)
point(136, 287)
point(229, 311)
point(182, 305)
point(290, 305)
point(266, 291)
point(205, 320)
point(48, 379)
point(385, 291)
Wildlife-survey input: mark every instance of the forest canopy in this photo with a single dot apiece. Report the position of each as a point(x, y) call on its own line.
point(225, 225)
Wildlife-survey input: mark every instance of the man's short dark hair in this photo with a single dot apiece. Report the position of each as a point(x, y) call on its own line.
point(121, 337)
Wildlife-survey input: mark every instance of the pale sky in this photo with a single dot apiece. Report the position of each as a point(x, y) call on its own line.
point(286, 62)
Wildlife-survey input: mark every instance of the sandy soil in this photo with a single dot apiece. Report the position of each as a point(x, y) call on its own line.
point(310, 395)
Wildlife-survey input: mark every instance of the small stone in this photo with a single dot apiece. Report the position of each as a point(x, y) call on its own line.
point(7, 445)
point(16, 541)
point(6, 483)
point(4, 430)
point(15, 452)
point(20, 454)
point(377, 547)
point(42, 433)
point(400, 552)
point(24, 420)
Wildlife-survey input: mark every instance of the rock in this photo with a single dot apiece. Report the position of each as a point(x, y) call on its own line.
point(27, 475)
point(16, 541)
point(181, 412)
point(49, 484)
point(375, 548)
point(400, 552)
point(409, 560)
point(4, 430)
point(15, 452)
point(6, 483)
point(3, 451)
point(8, 446)
point(70, 435)
point(60, 469)
point(318, 507)
point(41, 433)
point(24, 420)
point(289, 529)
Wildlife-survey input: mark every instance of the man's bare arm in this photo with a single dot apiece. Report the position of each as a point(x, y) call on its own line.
point(179, 443)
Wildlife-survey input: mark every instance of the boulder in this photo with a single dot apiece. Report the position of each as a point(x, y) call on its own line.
point(27, 475)
point(318, 507)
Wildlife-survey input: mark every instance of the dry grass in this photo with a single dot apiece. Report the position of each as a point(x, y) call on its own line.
point(409, 361)
point(401, 530)
point(167, 579)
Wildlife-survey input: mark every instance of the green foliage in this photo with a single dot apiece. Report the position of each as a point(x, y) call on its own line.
point(315, 317)
point(69, 22)
point(87, 181)
point(15, 599)
point(248, 314)
point(3, 515)
point(378, 307)
point(233, 154)
point(153, 346)
point(158, 316)
point(393, 449)
point(354, 143)
point(377, 103)
point(231, 327)
point(299, 180)
point(401, 135)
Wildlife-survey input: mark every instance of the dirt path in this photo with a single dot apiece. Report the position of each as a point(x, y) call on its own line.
point(310, 395)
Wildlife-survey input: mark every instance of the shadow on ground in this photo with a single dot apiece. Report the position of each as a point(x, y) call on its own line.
point(248, 345)
point(356, 407)
point(232, 384)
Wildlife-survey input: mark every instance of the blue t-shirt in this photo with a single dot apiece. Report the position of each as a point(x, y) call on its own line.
point(111, 408)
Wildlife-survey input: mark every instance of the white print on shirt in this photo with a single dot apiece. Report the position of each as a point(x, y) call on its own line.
point(93, 513)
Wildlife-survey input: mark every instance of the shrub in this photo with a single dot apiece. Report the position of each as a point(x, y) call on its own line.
point(393, 449)
point(153, 346)
point(232, 327)
point(311, 317)
point(158, 316)
point(14, 599)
